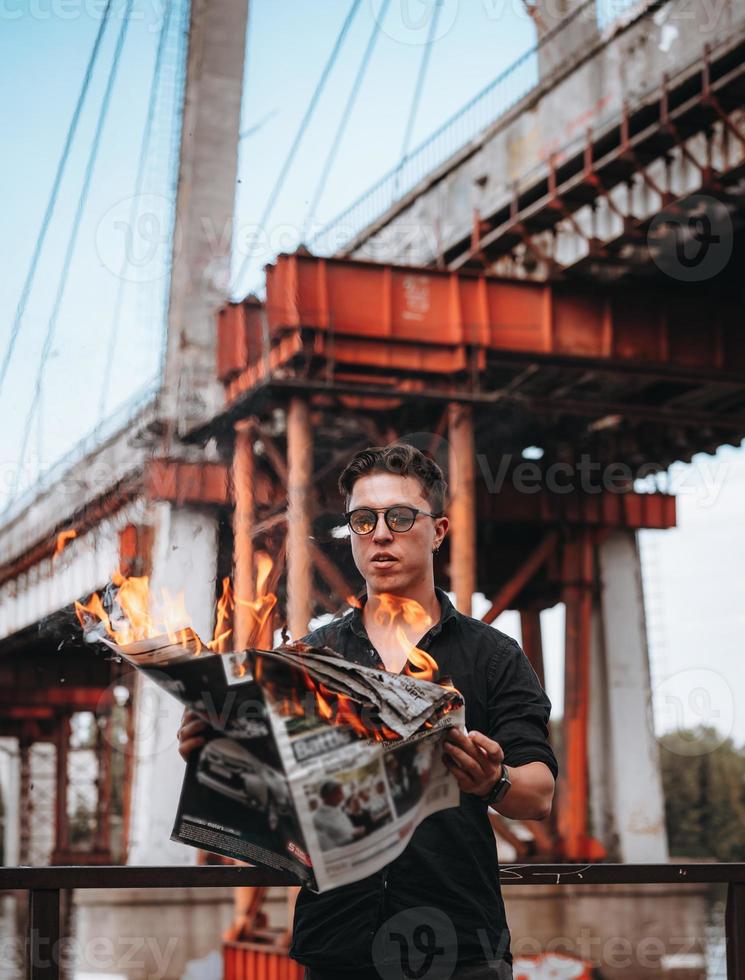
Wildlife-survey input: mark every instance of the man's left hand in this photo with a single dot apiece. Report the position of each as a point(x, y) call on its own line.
point(474, 760)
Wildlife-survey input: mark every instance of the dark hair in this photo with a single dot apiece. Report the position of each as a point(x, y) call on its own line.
point(403, 460)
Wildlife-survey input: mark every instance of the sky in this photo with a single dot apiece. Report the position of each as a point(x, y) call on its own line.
point(694, 574)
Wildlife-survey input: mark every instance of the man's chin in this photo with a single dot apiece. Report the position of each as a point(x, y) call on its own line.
point(385, 572)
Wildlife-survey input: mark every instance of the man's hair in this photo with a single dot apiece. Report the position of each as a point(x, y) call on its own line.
point(403, 460)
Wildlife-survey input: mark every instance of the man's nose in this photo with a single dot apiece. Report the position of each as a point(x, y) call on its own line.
point(382, 532)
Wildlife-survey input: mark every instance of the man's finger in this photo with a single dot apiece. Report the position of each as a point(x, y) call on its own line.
point(492, 749)
point(192, 728)
point(464, 744)
point(466, 762)
point(187, 747)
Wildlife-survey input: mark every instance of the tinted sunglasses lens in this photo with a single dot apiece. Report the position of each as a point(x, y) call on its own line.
point(400, 518)
point(362, 521)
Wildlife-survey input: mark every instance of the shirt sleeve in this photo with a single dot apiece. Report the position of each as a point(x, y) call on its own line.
point(519, 709)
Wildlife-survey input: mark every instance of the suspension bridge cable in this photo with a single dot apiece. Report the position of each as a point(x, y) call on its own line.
point(45, 221)
point(134, 209)
point(341, 129)
point(422, 74)
point(278, 184)
point(72, 241)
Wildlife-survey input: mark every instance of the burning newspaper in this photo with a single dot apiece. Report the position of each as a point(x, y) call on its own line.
point(312, 764)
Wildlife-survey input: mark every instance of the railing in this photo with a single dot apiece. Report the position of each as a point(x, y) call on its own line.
point(45, 884)
point(143, 399)
point(482, 111)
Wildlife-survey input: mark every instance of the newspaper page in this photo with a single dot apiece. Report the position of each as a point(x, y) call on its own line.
point(359, 799)
point(312, 764)
point(235, 799)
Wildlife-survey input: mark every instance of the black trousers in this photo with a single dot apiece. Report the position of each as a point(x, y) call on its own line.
point(467, 971)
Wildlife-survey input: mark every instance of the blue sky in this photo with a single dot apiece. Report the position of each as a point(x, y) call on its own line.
point(696, 571)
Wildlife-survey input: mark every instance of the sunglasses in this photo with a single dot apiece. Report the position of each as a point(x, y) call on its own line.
point(364, 520)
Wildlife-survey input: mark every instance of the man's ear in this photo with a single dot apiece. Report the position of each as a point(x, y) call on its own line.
point(444, 524)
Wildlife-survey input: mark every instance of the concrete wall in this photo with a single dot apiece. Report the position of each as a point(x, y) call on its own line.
point(150, 933)
point(629, 931)
point(602, 75)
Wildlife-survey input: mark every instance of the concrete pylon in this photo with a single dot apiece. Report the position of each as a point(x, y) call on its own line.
point(184, 560)
point(203, 231)
point(626, 800)
point(185, 539)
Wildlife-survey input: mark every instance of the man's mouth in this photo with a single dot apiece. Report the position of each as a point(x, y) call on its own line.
point(380, 560)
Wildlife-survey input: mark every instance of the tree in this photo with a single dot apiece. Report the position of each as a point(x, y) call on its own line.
point(703, 777)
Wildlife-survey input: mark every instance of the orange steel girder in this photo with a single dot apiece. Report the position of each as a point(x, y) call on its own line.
point(403, 326)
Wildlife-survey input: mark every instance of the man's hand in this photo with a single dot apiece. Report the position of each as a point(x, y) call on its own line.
point(188, 733)
point(474, 760)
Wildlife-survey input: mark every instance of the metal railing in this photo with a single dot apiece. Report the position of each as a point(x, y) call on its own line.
point(139, 403)
point(484, 110)
point(44, 885)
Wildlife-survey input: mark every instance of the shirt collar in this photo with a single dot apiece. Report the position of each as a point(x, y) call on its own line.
point(355, 622)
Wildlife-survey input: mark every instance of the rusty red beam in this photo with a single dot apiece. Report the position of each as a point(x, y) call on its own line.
point(511, 589)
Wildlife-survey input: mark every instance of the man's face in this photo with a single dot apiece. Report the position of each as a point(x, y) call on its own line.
point(395, 561)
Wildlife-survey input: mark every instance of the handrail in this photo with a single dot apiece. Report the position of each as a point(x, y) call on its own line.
point(45, 884)
point(238, 876)
point(142, 400)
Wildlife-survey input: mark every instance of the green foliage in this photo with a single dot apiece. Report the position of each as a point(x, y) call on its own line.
point(703, 777)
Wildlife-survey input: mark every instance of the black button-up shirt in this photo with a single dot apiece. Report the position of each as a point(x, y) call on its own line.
point(450, 863)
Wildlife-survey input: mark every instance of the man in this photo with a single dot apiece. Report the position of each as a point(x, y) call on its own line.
point(437, 910)
point(332, 822)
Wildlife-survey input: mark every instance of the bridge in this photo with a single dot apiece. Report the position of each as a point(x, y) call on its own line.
point(521, 302)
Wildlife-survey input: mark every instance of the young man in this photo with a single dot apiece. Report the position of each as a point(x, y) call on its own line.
point(437, 910)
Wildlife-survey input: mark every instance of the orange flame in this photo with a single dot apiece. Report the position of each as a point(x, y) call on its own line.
point(223, 630)
point(62, 538)
point(260, 608)
point(135, 615)
point(392, 613)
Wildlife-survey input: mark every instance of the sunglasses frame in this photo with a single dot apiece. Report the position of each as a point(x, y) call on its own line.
point(385, 511)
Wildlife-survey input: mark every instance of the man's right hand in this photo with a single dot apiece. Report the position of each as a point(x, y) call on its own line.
point(189, 737)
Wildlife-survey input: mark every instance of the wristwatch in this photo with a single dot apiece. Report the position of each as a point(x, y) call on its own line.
point(499, 789)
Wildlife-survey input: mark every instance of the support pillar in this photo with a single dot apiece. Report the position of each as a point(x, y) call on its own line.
point(184, 560)
point(577, 575)
point(462, 505)
point(632, 769)
point(10, 786)
point(243, 525)
point(62, 827)
point(205, 203)
point(530, 627)
point(602, 816)
point(300, 473)
point(24, 801)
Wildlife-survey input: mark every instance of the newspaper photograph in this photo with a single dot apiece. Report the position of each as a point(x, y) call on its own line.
point(312, 765)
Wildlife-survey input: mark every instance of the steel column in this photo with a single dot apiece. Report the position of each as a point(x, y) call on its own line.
point(300, 472)
point(243, 526)
point(462, 505)
point(530, 626)
point(578, 579)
